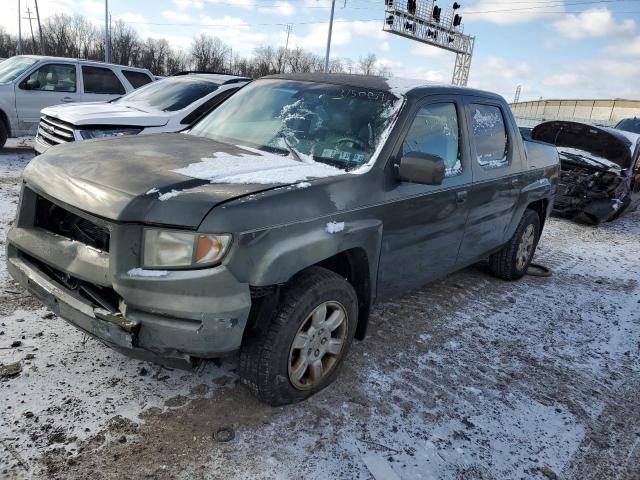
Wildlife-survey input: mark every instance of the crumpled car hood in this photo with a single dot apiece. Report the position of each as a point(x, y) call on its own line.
point(600, 142)
point(132, 179)
point(105, 113)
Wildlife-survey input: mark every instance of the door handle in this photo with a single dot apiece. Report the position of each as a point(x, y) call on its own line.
point(461, 197)
point(67, 99)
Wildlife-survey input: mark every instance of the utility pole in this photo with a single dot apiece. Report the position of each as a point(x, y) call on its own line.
point(286, 45)
point(106, 31)
point(326, 60)
point(33, 38)
point(42, 49)
point(19, 29)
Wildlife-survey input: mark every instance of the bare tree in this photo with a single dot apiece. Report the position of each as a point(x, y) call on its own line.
point(209, 53)
point(367, 64)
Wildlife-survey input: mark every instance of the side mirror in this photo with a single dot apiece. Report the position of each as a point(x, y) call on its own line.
point(424, 168)
point(32, 84)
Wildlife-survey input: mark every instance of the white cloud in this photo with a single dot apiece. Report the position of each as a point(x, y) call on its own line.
point(236, 33)
point(184, 4)
point(499, 75)
point(9, 16)
point(428, 51)
point(285, 9)
point(131, 17)
point(505, 12)
point(94, 7)
point(177, 16)
point(630, 48)
point(593, 23)
point(246, 4)
point(344, 32)
point(565, 80)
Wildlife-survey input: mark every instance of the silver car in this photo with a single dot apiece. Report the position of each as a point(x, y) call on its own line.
point(29, 83)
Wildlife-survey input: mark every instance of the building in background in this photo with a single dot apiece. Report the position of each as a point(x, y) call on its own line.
point(601, 112)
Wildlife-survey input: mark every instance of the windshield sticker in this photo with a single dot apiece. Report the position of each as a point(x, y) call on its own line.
point(345, 156)
point(328, 153)
point(358, 157)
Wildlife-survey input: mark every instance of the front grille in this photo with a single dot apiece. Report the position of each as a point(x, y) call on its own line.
point(56, 219)
point(53, 131)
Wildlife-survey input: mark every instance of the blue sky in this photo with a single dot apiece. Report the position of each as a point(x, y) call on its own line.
point(553, 48)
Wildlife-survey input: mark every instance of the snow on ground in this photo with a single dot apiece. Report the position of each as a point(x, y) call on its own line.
point(468, 378)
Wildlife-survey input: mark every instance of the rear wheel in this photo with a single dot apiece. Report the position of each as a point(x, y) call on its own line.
point(512, 262)
point(299, 353)
point(3, 134)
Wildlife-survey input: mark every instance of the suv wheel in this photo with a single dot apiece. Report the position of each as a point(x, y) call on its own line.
point(512, 262)
point(300, 352)
point(3, 134)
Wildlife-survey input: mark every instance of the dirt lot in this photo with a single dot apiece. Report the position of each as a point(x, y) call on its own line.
point(470, 378)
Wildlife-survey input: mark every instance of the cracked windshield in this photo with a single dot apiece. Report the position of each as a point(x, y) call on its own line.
point(337, 125)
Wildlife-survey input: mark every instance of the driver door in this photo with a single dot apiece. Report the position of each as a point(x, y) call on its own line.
point(50, 84)
point(424, 224)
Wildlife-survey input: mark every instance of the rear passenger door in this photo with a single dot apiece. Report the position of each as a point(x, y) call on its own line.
point(496, 178)
point(424, 224)
point(100, 84)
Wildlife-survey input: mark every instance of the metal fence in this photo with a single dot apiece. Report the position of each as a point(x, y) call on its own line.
point(597, 112)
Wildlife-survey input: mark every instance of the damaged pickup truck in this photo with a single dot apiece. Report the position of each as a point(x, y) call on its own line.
point(600, 169)
point(273, 225)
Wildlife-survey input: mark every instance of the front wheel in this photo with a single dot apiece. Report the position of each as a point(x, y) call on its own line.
point(3, 134)
point(299, 353)
point(512, 261)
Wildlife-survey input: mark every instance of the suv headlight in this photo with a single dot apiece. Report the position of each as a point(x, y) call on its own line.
point(110, 132)
point(173, 248)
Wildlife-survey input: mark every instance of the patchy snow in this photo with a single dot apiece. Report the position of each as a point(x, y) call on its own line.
point(470, 377)
point(141, 272)
point(152, 191)
point(303, 185)
point(334, 227)
point(168, 195)
point(261, 168)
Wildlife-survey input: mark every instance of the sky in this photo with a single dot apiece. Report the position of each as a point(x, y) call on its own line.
point(552, 48)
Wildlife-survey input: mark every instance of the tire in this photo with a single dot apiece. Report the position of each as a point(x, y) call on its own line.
point(511, 263)
point(270, 363)
point(3, 134)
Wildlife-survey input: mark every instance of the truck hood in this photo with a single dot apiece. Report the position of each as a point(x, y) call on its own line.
point(169, 179)
point(104, 113)
point(587, 144)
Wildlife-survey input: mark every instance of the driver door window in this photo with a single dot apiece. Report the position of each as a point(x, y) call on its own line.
point(53, 77)
point(435, 131)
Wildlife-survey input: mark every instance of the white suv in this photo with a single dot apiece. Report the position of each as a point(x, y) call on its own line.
point(168, 105)
point(29, 83)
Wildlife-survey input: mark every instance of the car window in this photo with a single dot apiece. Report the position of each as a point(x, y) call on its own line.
point(101, 80)
point(435, 131)
point(12, 68)
point(490, 136)
point(207, 106)
point(629, 124)
point(171, 94)
point(53, 77)
point(136, 79)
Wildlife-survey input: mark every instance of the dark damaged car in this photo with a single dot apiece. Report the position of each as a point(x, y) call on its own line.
point(600, 169)
point(273, 226)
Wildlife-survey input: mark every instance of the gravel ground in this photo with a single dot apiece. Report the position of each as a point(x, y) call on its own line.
point(468, 378)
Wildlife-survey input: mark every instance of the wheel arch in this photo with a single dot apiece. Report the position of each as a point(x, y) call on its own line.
point(4, 118)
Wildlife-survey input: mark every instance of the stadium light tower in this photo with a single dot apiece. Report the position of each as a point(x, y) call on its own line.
point(425, 22)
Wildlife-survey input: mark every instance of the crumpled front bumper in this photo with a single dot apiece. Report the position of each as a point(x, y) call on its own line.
point(170, 319)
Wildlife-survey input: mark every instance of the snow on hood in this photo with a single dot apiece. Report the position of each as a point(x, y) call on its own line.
point(104, 113)
point(256, 167)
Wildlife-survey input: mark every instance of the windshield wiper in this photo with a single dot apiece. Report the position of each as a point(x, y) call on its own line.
point(292, 150)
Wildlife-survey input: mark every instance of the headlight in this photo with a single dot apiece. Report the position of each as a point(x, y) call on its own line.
point(172, 248)
point(111, 132)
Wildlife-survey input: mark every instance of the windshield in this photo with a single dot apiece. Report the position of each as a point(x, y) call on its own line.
point(337, 125)
point(12, 68)
point(629, 124)
point(170, 94)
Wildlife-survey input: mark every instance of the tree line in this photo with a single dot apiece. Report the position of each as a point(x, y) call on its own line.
point(76, 37)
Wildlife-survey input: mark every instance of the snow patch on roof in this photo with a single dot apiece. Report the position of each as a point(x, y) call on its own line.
point(260, 168)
